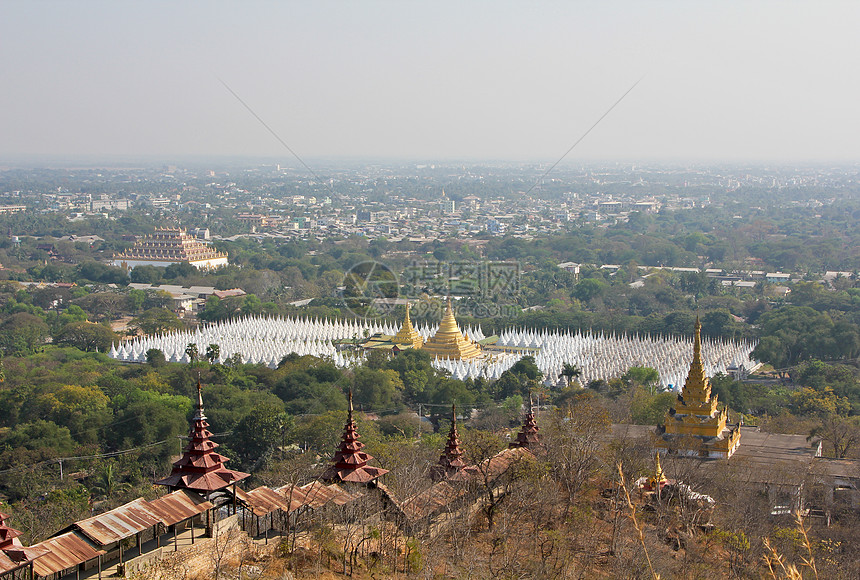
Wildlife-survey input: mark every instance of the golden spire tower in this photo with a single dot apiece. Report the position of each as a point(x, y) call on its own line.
point(407, 335)
point(449, 342)
point(695, 426)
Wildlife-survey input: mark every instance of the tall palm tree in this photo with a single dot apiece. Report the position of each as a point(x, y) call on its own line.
point(107, 484)
point(571, 371)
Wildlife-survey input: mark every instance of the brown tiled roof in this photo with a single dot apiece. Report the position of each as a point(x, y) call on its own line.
point(495, 466)
point(315, 495)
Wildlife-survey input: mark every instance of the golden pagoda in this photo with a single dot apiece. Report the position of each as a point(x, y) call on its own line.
point(695, 426)
point(658, 480)
point(449, 342)
point(407, 335)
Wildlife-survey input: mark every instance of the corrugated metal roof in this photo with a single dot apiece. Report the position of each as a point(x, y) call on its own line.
point(314, 495)
point(264, 500)
point(7, 565)
point(431, 500)
point(178, 506)
point(119, 523)
point(65, 551)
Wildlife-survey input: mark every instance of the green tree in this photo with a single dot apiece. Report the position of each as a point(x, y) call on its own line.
point(213, 351)
point(571, 371)
point(107, 484)
point(258, 432)
point(84, 410)
point(86, 336)
point(156, 321)
point(642, 376)
point(377, 389)
point(155, 357)
point(840, 434)
point(22, 334)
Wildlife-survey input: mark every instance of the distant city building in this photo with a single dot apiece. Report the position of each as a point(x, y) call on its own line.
point(200, 233)
point(447, 206)
point(109, 204)
point(12, 208)
point(170, 246)
point(777, 277)
point(571, 267)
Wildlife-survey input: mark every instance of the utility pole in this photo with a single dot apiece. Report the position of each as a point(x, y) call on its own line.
point(420, 418)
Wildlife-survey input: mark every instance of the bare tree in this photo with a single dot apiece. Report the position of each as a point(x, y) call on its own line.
point(574, 443)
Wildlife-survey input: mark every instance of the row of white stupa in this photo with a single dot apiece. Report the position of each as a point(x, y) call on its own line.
point(600, 356)
point(266, 340)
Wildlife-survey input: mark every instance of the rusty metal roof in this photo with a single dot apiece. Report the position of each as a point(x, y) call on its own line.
point(178, 506)
point(65, 551)
point(119, 523)
point(315, 495)
point(495, 466)
point(431, 500)
point(7, 565)
point(264, 501)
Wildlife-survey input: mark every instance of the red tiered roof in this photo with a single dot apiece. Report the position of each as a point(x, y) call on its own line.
point(13, 555)
point(200, 468)
point(451, 461)
point(7, 534)
point(528, 436)
point(350, 462)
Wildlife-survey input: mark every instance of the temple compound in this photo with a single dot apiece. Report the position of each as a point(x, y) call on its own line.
point(695, 426)
point(170, 246)
point(448, 343)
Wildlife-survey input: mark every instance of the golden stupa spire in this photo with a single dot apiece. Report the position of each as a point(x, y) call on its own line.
point(449, 342)
point(449, 323)
point(697, 387)
point(407, 333)
point(658, 472)
point(696, 417)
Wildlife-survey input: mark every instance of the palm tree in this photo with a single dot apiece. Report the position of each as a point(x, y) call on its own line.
point(571, 371)
point(107, 485)
point(213, 351)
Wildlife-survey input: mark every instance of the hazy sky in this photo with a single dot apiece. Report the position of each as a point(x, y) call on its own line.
point(432, 80)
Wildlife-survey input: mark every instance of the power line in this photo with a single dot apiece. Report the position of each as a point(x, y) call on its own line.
point(97, 456)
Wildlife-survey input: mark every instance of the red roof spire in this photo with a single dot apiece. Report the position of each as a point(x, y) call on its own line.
point(350, 462)
point(7, 534)
point(528, 436)
point(13, 555)
point(200, 468)
point(451, 460)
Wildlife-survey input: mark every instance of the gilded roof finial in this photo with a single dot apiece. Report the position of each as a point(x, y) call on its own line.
point(199, 414)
